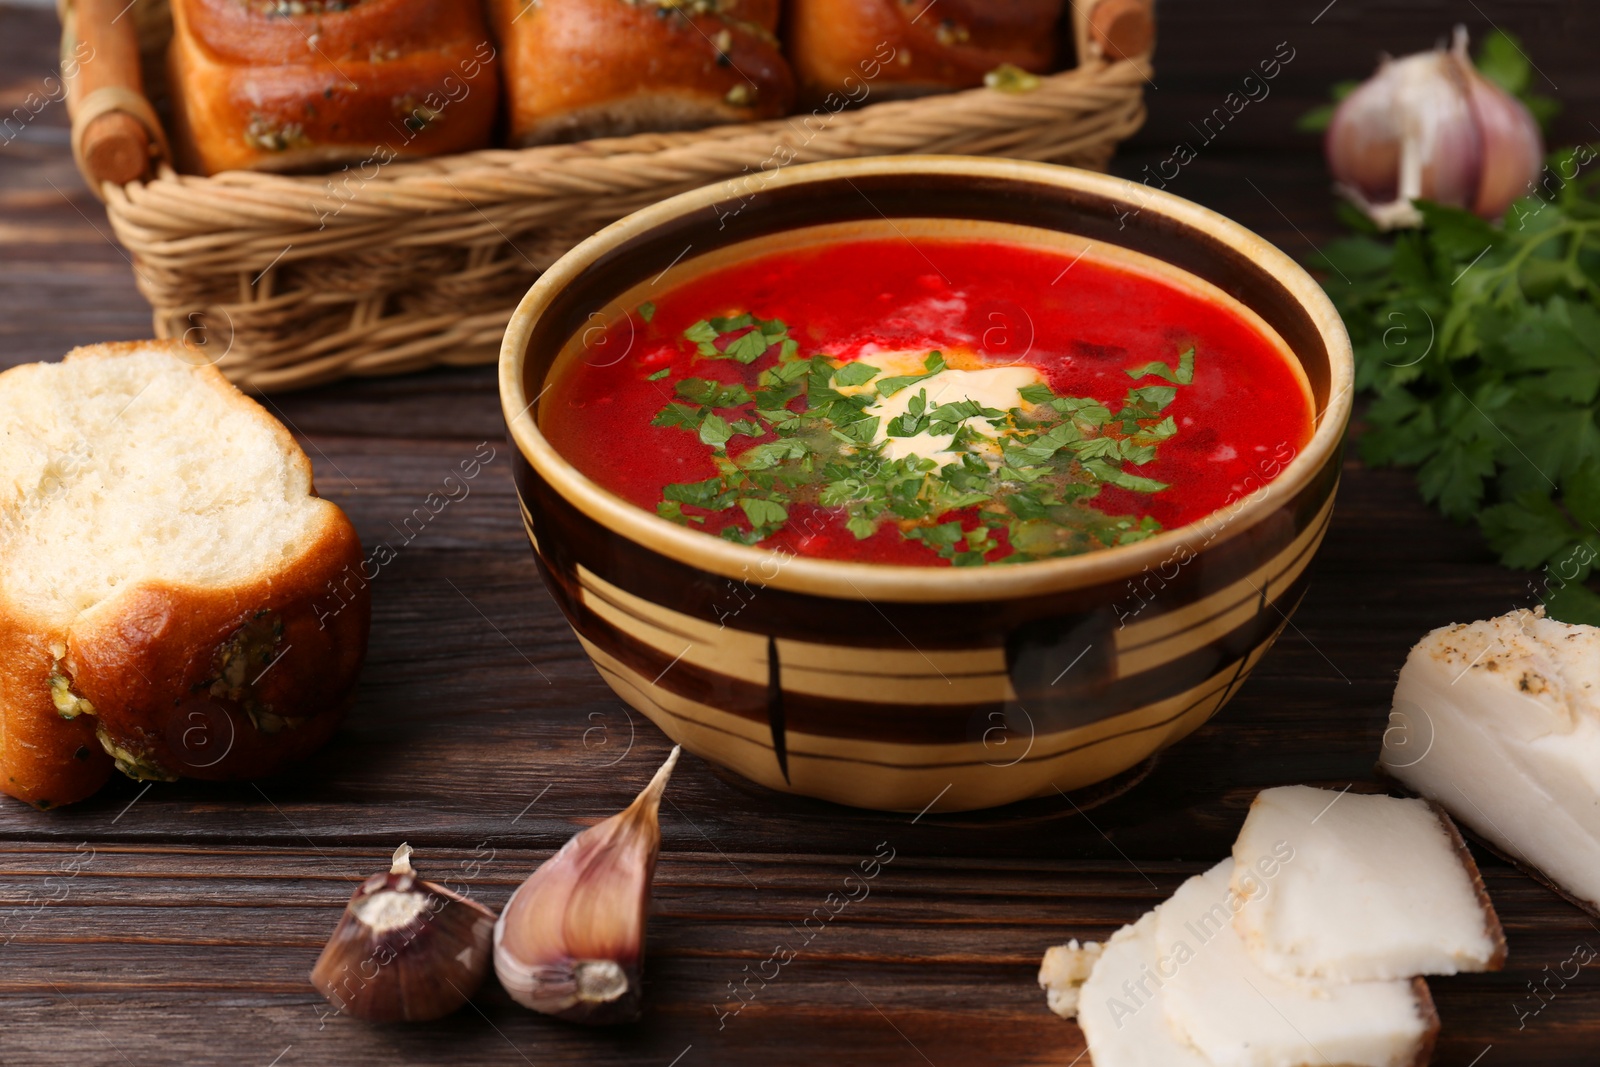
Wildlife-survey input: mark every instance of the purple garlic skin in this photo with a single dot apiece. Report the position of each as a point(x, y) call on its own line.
point(405, 950)
point(1430, 126)
point(570, 942)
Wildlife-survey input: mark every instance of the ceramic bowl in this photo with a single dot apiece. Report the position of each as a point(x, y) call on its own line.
point(918, 688)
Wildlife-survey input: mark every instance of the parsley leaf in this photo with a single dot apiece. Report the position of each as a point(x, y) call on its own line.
point(861, 526)
point(931, 366)
point(733, 323)
point(1480, 344)
point(715, 431)
point(763, 512)
point(771, 454)
point(824, 453)
point(748, 347)
point(855, 374)
point(712, 393)
point(1183, 375)
point(689, 416)
point(701, 332)
point(709, 494)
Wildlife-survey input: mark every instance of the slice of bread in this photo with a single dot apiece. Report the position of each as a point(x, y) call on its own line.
point(166, 604)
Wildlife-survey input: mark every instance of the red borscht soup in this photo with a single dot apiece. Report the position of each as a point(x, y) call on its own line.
point(928, 399)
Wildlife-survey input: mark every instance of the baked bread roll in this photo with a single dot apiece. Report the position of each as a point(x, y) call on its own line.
point(597, 68)
point(892, 49)
point(291, 85)
point(178, 601)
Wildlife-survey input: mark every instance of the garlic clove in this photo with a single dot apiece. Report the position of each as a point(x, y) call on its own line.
point(1430, 126)
point(1515, 157)
point(1363, 139)
point(1406, 134)
point(570, 942)
point(405, 950)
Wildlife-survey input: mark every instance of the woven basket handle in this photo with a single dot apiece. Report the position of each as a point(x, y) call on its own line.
point(1110, 31)
point(116, 134)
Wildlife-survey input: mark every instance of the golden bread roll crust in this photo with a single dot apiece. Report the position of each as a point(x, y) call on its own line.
point(901, 48)
point(226, 684)
point(256, 88)
point(171, 680)
point(45, 759)
point(576, 69)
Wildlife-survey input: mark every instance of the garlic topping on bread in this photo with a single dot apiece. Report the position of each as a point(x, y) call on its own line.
point(167, 564)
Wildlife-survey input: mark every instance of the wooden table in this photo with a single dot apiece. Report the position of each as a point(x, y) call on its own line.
point(162, 924)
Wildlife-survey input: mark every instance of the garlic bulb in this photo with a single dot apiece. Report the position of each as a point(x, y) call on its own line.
point(1430, 126)
point(571, 940)
point(405, 950)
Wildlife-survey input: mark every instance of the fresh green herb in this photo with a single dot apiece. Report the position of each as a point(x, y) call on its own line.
point(1183, 375)
point(762, 513)
point(705, 335)
point(746, 338)
point(658, 375)
point(712, 394)
point(1481, 345)
point(1024, 479)
point(708, 494)
point(855, 374)
point(688, 416)
point(715, 431)
point(932, 365)
point(647, 311)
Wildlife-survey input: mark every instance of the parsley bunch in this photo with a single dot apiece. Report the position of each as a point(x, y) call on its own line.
point(1481, 345)
point(1028, 473)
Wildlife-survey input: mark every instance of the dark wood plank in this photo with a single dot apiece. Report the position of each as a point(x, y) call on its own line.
point(482, 731)
point(938, 958)
point(1206, 50)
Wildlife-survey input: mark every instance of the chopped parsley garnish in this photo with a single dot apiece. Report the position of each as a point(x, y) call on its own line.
point(1003, 487)
point(744, 338)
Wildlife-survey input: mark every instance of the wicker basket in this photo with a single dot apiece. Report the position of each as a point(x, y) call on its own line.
point(422, 264)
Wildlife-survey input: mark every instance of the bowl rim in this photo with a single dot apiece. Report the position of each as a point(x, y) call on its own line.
point(854, 580)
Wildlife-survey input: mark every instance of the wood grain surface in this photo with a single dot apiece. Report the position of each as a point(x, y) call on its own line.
point(166, 924)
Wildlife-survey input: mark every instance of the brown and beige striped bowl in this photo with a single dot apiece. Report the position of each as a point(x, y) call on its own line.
point(905, 687)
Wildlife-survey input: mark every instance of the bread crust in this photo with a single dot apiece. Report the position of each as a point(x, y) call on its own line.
point(576, 69)
point(381, 79)
point(215, 682)
point(1430, 1018)
point(45, 759)
point(889, 49)
point(1491, 919)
